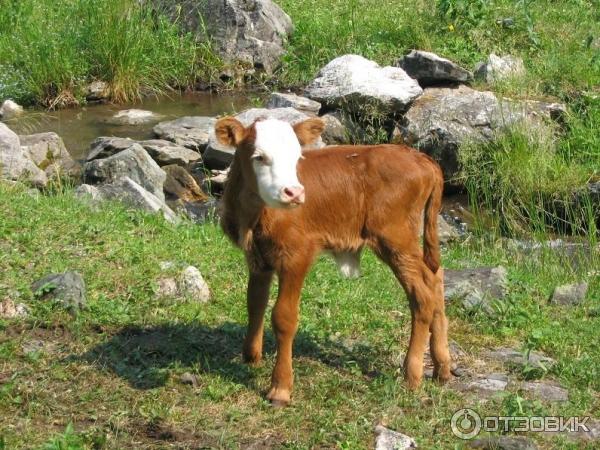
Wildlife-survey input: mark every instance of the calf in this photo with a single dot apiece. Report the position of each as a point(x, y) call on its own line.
point(282, 207)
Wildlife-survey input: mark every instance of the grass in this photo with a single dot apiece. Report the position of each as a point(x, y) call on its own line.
point(109, 378)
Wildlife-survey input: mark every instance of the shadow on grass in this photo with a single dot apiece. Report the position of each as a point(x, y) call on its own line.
point(141, 355)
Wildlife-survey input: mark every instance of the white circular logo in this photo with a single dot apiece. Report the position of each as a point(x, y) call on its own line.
point(466, 423)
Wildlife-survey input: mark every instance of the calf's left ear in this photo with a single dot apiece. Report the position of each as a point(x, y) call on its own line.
point(229, 131)
point(309, 130)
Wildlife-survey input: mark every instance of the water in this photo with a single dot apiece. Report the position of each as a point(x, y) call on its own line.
point(80, 126)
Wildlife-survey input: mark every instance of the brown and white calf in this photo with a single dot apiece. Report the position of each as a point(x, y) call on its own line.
point(282, 207)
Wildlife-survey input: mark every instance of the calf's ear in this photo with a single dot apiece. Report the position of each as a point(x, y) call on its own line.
point(229, 131)
point(309, 130)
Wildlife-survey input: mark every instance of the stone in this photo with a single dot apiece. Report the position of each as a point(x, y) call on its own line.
point(15, 163)
point(202, 212)
point(486, 385)
point(48, 152)
point(188, 283)
point(10, 310)
point(499, 68)
point(443, 118)
point(358, 85)
point(302, 104)
point(216, 182)
point(503, 443)
point(134, 163)
point(428, 69)
point(97, 90)
point(10, 110)
point(167, 287)
point(104, 146)
point(133, 117)
point(68, 288)
point(181, 185)
point(246, 34)
point(550, 392)
point(476, 288)
point(166, 153)
point(188, 378)
point(387, 439)
point(218, 156)
point(569, 294)
point(128, 192)
point(191, 131)
point(335, 131)
point(513, 357)
point(589, 434)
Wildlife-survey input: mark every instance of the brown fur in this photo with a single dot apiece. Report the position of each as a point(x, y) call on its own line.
point(356, 196)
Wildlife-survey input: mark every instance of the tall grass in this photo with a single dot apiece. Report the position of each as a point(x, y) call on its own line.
point(50, 50)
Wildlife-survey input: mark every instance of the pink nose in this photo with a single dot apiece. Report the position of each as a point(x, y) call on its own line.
point(294, 194)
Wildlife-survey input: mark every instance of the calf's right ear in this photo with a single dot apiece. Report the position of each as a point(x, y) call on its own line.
point(229, 131)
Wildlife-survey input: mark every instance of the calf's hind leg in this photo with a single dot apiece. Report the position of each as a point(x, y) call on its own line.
point(439, 331)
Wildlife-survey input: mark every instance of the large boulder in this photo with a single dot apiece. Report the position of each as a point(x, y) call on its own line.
point(443, 118)
point(302, 104)
point(180, 184)
point(429, 68)
point(105, 146)
point(166, 153)
point(359, 85)
point(191, 132)
point(248, 33)
point(498, 68)
point(15, 163)
point(48, 152)
point(134, 163)
point(219, 156)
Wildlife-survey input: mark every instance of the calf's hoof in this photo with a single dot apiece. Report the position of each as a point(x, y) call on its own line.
point(279, 398)
point(252, 358)
point(442, 374)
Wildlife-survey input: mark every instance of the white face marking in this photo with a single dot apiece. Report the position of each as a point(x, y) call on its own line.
point(275, 159)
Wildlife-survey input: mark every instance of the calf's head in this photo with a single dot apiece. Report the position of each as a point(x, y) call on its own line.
point(268, 152)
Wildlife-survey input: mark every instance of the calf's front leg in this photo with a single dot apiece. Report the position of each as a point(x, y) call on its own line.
point(257, 299)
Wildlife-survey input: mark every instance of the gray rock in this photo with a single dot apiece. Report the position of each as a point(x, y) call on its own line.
point(486, 385)
point(191, 132)
point(105, 146)
point(361, 86)
point(512, 357)
point(188, 283)
point(476, 288)
point(48, 152)
point(443, 118)
point(68, 288)
point(447, 233)
point(128, 192)
point(181, 185)
point(503, 443)
point(97, 90)
point(248, 34)
point(10, 310)
point(134, 117)
point(166, 153)
point(392, 440)
point(202, 212)
point(303, 104)
point(134, 163)
point(10, 109)
point(569, 294)
point(335, 131)
point(550, 392)
point(14, 161)
point(429, 68)
point(498, 68)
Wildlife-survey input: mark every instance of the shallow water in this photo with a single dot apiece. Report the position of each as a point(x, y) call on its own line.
point(78, 127)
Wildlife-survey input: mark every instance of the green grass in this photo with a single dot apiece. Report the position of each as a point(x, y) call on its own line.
point(108, 378)
point(49, 51)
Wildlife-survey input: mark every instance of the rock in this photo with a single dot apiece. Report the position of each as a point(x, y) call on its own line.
point(216, 182)
point(188, 378)
point(476, 288)
point(488, 384)
point(104, 146)
point(443, 118)
point(10, 109)
point(14, 161)
point(167, 287)
point(189, 283)
point(512, 357)
point(48, 152)
point(249, 34)
point(428, 69)
point(358, 85)
point(97, 90)
point(302, 104)
point(166, 153)
point(68, 288)
point(181, 185)
point(392, 440)
point(498, 68)
point(503, 443)
point(335, 131)
point(133, 117)
point(589, 432)
point(130, 193)
point(569, 294)
point(134, 163)
point(218, 156)
point(446, 232)
point(191, 132)
point(10, 310)
point(202, 212)
point(33, 346)
point(546, 391)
